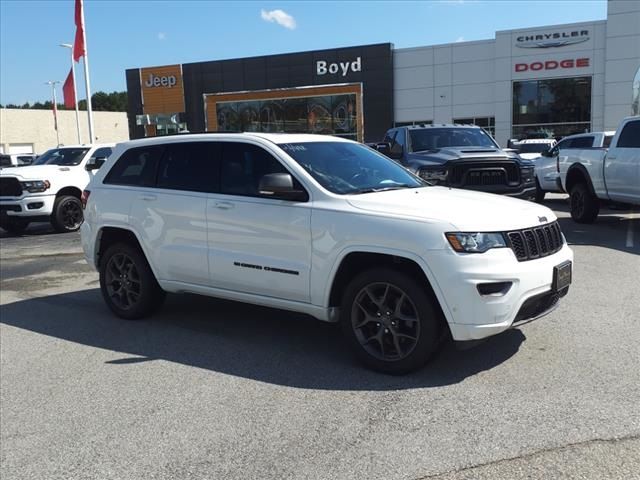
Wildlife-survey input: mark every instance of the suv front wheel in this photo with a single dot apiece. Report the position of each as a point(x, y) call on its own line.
point(128, 285)
point(390, 321)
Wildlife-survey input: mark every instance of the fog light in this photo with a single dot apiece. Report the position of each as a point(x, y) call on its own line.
point(35, 205)
point(494, 289)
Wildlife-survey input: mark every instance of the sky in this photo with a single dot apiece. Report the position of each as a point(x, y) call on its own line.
point(125, 34)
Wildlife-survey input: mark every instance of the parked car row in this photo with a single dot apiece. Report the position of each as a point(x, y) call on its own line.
point(50, 189)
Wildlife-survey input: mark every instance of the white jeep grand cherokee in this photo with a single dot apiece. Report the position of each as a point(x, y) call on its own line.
point(323, 226)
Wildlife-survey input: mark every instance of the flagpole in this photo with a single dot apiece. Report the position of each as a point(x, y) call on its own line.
point(55, 107)
point(75, 92)
point(92, 137)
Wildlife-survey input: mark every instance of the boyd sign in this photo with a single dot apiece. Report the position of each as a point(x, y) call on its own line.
point(323, 67)
point(552, 65)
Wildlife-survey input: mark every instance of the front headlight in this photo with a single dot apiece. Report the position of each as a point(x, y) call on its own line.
point(464, 242)
point(35, 186)
point(527, 174)
point(433, 175)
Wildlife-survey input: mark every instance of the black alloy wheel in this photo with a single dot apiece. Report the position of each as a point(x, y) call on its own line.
point(584, 206)
point(391, 321)
point(122, 281)
point(67, 214)
point(128, 285)
point(385, 321)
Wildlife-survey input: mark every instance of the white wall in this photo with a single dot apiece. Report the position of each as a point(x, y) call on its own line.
point(474, 79)
point(622, 59)
point(35, 127)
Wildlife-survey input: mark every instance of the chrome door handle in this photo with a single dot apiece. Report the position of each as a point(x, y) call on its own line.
point(223, 205)
point(148, 198)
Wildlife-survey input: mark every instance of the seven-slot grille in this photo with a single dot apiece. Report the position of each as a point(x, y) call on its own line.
point(536, 242)
point(10, 187)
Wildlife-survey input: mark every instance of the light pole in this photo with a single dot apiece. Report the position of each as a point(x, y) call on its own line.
point(55, 108)
point(75, 95)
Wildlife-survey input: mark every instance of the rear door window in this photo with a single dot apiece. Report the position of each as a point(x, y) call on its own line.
point(630, 135)
point(136, 166)
point(191, 166)
point(582, 142)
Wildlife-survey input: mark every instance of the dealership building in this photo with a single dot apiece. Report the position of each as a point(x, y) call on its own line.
point(553, 80)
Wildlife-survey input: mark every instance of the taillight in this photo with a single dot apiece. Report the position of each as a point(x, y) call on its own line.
point(84, 198)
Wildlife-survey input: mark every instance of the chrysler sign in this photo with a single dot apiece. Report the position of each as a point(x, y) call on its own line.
point(551, 40)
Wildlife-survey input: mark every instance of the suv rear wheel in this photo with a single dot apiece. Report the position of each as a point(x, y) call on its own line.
point(389, 320)
point(128, 285)
point(584, 205)
point(67, 214)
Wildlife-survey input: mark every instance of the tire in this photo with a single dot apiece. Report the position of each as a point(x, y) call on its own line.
point(14, 226)
point(67, 214)
point(539, 192)
point(584, 205)
point(402, 336)
point(128, 285)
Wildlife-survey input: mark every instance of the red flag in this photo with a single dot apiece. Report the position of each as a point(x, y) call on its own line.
point(78, 45)
point(68, 91)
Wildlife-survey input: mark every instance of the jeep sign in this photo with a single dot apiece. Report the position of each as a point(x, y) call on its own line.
point(322, 68)
point(164, 81)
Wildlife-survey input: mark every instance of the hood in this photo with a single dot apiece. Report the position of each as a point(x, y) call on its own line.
point(466, 210)
point(459, 154)
point(35, 172)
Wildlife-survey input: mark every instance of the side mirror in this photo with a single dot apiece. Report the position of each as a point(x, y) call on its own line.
point(383, 147)
point(280, 186)
point(396, 151)
point(95, 163)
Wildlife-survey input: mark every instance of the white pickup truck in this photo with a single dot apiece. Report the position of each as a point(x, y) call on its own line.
point(50, 189)
point(548, 165)
point(594, 176)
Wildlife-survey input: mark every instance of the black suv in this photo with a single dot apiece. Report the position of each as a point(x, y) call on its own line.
point(459, 156)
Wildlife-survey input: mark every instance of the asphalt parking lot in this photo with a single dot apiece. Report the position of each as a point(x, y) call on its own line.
point(210, 389)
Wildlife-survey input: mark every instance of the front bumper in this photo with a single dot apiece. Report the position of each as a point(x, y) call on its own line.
point(472, 316)
point(525, 193)
point(28, 206)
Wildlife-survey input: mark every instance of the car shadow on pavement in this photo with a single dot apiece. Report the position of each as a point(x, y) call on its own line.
point(614, 229)
point(33, 230)
point(247, 341)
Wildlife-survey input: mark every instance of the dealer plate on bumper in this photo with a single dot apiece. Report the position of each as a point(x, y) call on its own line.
point(561, 276)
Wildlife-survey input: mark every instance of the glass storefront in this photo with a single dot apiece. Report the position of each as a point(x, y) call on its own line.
point(325, 114)
point(162, 124)
point(487, 123)
point(551, 108)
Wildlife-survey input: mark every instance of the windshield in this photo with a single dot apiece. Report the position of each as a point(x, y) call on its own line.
point(435, 138)
point(62, 156)
point(347, 168)
point(533, 147)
